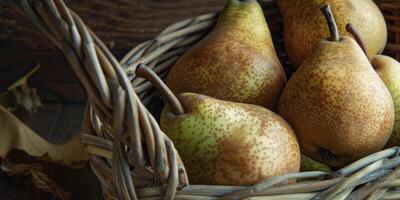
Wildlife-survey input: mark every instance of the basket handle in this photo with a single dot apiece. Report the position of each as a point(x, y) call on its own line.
point(113, 104)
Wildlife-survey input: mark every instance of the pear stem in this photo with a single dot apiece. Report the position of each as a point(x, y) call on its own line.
point(144, 72)
point(356, 35)
point(333, 29)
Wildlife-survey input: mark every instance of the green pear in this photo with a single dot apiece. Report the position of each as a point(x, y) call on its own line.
point(338, 106)
point(308, 164)
point(389, 70)
point(304, 26)
point(236, 61)
point(226, 143)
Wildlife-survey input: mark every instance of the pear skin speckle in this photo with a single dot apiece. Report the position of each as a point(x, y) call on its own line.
point(337, 104)
point(304, 24)
point(227, 143)
point(389, 71)
point(235, 62)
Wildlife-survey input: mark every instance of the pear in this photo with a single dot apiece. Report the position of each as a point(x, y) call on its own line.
point(304, 26)
point(226, 143)
point(338, 106)
point(389, 70)
point(236, 61)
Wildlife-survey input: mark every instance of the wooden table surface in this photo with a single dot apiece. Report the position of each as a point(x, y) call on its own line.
point(121, 24)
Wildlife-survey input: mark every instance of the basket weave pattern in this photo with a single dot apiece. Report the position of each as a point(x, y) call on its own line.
point(134, 159)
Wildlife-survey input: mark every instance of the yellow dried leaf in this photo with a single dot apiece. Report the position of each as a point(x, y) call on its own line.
point(27, 98)
point(15, 134)
point(24, 79)
point(20, 94)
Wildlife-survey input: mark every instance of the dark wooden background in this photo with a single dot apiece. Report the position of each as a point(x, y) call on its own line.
point(121, 24)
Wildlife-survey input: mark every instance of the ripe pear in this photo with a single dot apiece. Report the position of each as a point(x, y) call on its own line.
point(226, 143)
point(389, 70)
point(229, 143)
point(236, 61)
point(338, 106)
point(304, 26)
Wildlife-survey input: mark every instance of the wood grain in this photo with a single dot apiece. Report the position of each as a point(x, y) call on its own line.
point(121, 24)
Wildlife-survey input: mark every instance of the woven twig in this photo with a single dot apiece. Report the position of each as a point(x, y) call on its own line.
point(112, 100)
point(134, 159)
point(39, 178)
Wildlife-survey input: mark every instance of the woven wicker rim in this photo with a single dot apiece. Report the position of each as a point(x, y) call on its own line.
point(134, 159)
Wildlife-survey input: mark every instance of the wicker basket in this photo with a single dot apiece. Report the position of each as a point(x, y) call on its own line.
point(134, 159)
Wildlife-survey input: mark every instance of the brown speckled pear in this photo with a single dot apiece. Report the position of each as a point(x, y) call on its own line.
point(389, 70)
point(226, 143)
point(304, 26)
point(338, 106)
point(229, 143)
point(236, 61)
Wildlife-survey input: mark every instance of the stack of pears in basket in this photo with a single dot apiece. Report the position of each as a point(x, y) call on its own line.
point(234, 117)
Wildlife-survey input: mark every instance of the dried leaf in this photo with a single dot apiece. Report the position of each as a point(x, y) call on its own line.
point(16, 135)
point(19, 94)
point(27, 98)
point(24, 80)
